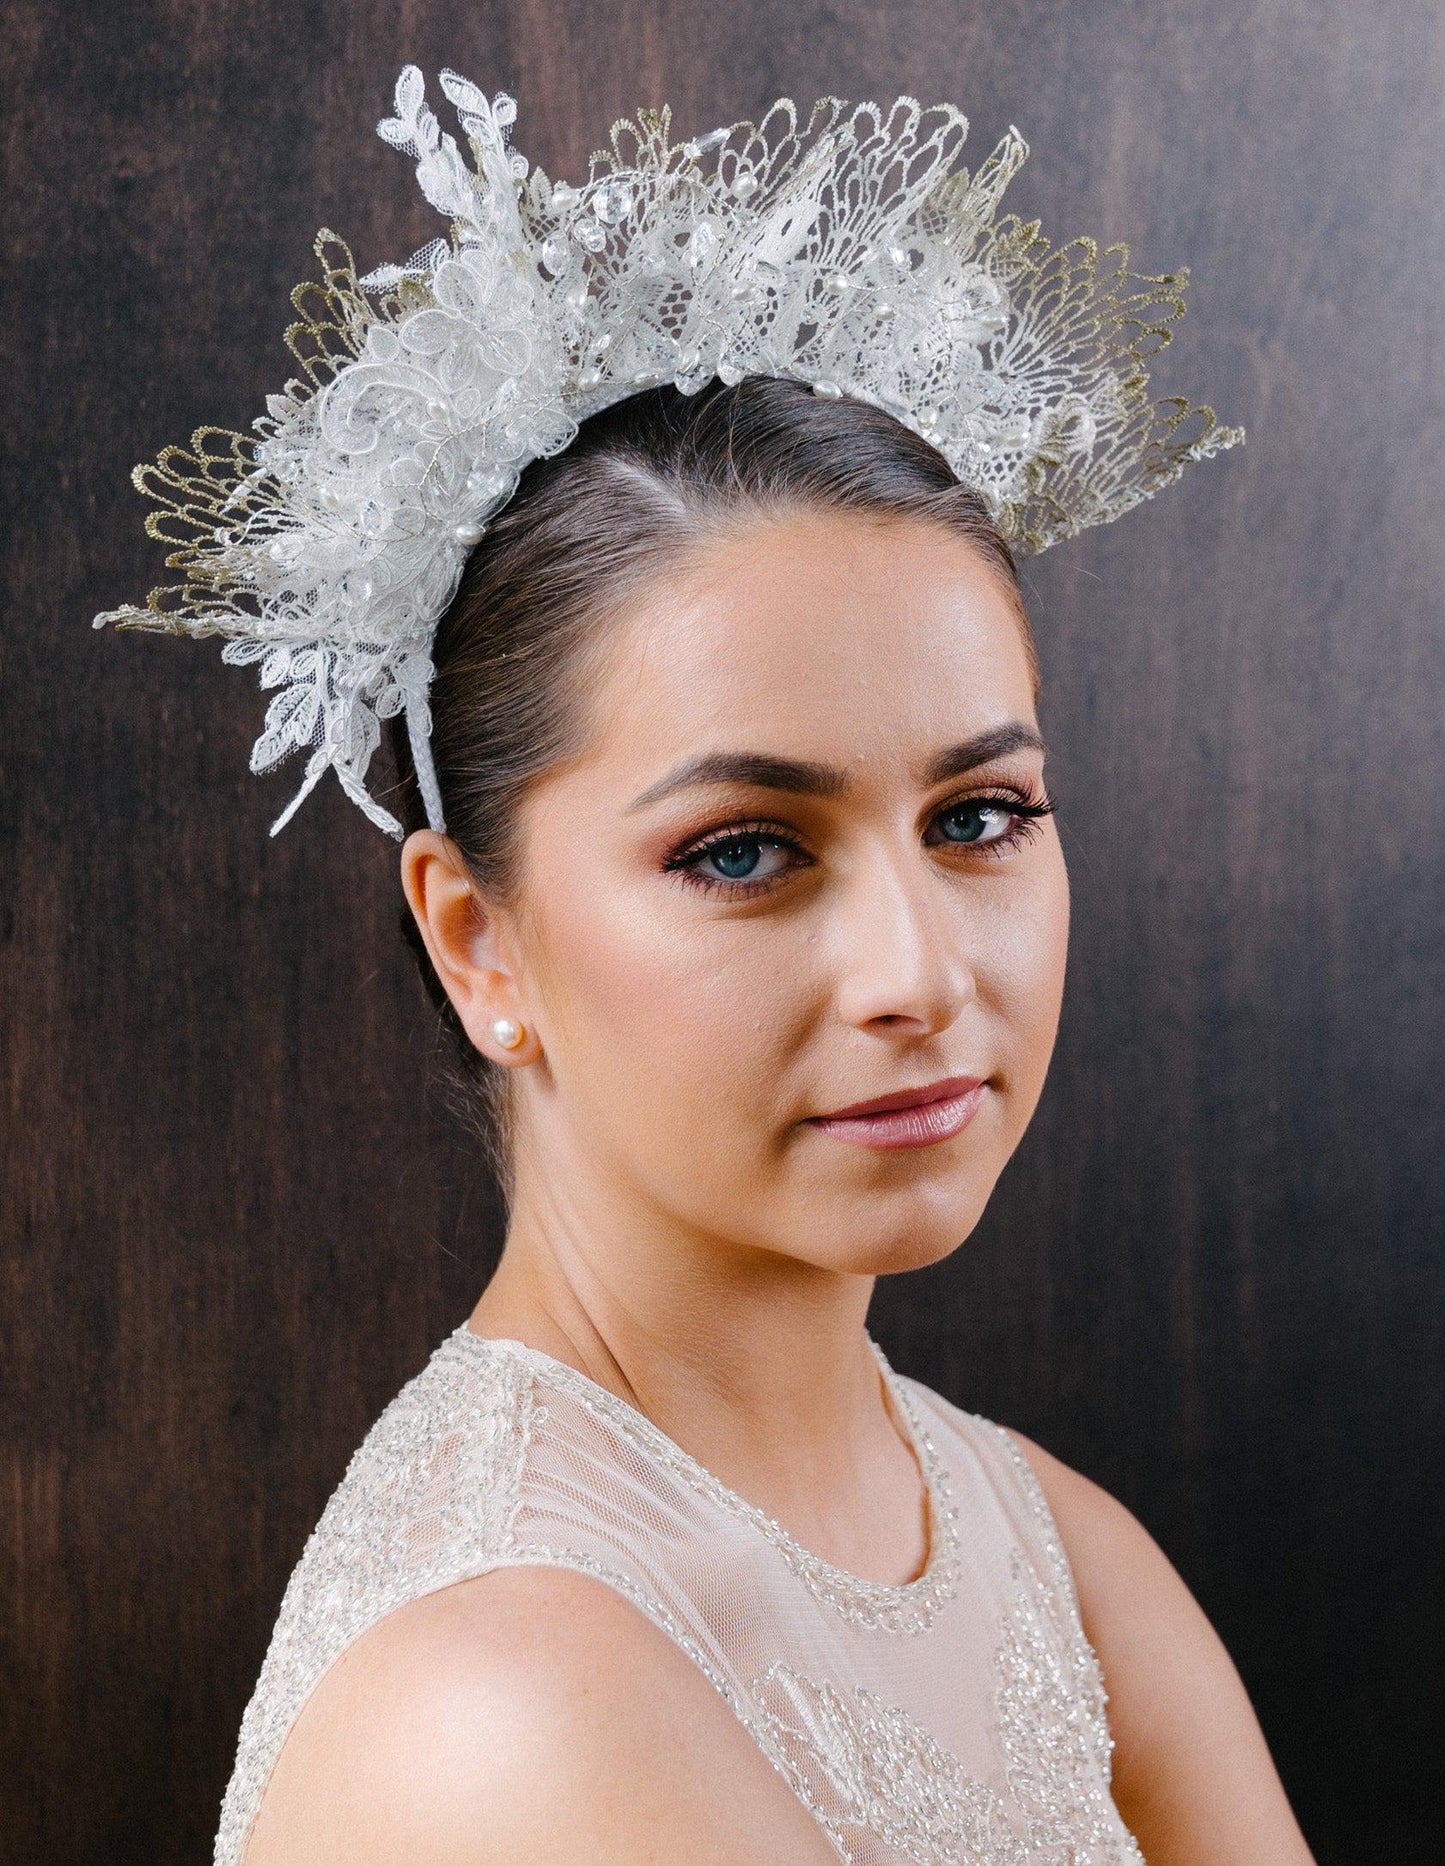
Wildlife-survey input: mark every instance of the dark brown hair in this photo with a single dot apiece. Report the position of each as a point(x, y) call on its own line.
point(642, 483)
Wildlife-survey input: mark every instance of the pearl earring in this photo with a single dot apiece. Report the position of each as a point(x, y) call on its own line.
point(508, 1033)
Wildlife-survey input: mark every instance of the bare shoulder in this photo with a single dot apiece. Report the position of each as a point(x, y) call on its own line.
point(529, 1713)
point(1193, 1776)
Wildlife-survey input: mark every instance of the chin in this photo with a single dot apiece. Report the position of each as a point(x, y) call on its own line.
point(900, 1246)
point(911, 1253)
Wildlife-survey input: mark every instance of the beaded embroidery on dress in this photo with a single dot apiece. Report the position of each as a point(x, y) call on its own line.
point(954, 1720)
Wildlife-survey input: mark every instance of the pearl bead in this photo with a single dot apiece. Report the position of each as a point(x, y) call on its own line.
point(507, 1032)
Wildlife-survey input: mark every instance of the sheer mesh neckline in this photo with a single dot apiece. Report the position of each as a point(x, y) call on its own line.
point(903, 1606)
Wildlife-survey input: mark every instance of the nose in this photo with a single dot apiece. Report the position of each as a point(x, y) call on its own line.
point(902, 941)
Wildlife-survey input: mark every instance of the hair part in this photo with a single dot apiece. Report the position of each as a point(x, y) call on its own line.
point(639, 487)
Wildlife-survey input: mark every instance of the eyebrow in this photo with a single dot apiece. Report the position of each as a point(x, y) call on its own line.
point(770, 772)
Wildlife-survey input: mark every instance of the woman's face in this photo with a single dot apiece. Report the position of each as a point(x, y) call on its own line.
point(710, 961)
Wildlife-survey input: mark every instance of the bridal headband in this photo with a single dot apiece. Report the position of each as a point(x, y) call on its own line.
point(851, 253)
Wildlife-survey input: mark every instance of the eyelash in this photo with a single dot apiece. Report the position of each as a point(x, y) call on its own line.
point(1025, 807)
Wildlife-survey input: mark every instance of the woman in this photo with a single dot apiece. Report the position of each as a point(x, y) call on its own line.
point(732, 869)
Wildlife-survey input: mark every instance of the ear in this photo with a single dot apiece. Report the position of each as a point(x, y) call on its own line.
point(463, 939)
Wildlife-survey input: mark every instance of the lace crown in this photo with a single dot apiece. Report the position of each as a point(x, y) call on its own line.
point(849, 252)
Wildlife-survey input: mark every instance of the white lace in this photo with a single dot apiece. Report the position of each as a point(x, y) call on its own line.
point(851, 253)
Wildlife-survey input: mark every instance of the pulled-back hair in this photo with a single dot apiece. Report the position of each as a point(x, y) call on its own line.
point(641, 485)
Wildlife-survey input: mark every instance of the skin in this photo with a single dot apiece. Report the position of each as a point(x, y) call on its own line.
point(680, 1234)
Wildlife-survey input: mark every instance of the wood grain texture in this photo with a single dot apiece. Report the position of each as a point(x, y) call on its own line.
point(234, 1220)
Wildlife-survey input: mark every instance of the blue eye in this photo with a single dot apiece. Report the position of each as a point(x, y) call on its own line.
point(737, 858)
point(984, 820)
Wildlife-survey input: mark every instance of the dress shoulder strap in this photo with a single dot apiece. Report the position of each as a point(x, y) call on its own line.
point(427, 1499)
point(1020, 1494)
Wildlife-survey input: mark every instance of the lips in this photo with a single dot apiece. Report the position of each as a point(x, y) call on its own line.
point(919, 1117)
point(943, 1090)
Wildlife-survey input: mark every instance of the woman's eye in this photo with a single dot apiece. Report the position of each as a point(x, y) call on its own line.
point(977, 820)
point(744, 859)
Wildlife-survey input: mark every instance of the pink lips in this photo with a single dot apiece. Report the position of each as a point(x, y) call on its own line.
point(908, 1117)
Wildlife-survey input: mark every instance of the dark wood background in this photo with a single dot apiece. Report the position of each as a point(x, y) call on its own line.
point(236, 1219)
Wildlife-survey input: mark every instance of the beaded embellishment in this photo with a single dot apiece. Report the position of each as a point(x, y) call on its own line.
point(872, 1773)
point(863, 1765)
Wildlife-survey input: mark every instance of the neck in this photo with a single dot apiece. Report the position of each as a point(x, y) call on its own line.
point(756, 1363)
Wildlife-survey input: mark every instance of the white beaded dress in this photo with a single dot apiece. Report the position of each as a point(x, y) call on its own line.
point(957, 1718)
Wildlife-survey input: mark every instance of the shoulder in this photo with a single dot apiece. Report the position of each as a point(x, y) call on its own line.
point(1128, 1589)
point(528, 1713)
point(1193, 1776)
point(1088, 1517)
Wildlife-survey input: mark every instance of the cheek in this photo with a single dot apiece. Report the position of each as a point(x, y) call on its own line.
point(663, 1024)
point(1022, 978)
